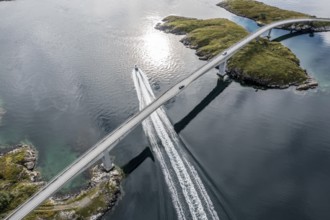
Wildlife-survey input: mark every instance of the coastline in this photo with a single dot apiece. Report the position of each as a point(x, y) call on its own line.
point(19, 180)
point(262, 63)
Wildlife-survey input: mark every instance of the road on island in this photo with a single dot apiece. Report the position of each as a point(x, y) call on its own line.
point(109, 142)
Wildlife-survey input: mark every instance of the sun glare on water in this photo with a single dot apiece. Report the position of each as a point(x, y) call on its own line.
point(326, 37)
point(156, 47)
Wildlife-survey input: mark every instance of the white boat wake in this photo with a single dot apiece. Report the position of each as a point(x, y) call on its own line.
point(188, 194)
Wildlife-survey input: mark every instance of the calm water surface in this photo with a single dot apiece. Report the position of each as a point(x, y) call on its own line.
point(65, 82)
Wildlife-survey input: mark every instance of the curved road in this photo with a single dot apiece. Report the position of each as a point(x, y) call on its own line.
point(107, 143)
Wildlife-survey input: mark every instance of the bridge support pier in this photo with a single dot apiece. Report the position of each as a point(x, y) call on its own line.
point(269, 33)
point(222, 69)
point(106, 160)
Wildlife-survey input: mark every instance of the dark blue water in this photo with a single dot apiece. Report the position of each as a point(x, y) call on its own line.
point(65, 82)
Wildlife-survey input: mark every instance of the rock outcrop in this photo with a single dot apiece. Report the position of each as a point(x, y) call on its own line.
point(19, 180)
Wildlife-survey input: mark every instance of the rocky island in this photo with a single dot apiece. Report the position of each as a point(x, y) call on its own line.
point(261, 63)
point(19, 180)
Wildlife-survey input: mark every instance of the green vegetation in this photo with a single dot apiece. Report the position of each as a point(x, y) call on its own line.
point(18, 181)
point(5, 199)
point(267, 64)
point(89, 203)
point(15, 179)
point(208, 37)
point(266, 14)
point(258, 11)
point(264, 63)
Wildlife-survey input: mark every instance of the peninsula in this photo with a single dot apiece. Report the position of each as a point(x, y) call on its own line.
point(261, 63)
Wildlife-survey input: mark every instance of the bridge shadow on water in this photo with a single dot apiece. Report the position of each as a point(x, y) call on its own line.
point(134, 163)
point(137, 161)
point(220, 87)
point(217, 193)
point(179, 126)
point(291, 35)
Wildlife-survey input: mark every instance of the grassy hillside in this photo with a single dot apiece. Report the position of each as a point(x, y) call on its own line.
point(264, 63)
point(258, 11)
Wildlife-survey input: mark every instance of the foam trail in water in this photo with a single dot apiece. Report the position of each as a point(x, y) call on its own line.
point(188, 193)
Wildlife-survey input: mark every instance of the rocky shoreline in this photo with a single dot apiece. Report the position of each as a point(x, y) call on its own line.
point(19, 180)
point(18, 177)
point(306, 28)
point(239, 76)
point(101, 195)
